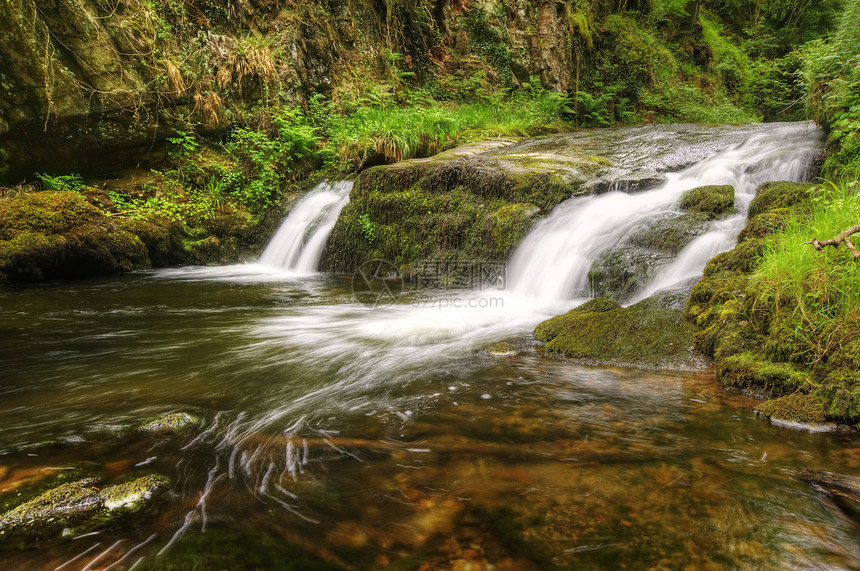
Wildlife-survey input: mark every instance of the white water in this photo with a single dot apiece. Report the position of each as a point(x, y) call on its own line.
point(552, 262)
point(299, 242)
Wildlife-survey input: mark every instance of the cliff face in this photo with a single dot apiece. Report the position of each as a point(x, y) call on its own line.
point(90, 85)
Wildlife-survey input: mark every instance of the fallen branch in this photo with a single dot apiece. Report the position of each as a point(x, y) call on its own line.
point(839, 239)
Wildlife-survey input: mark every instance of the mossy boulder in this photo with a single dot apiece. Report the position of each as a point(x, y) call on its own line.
point(650, 334)
point(49, 235)
point(771, 196)
point(669, 234)
point(796, 407)
point(76, 507)
point(622, 272)
point(713, 200)
point(445, 208)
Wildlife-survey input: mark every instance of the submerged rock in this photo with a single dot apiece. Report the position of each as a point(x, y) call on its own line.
point(651, 334)
point(77, 506)
point(172, 423)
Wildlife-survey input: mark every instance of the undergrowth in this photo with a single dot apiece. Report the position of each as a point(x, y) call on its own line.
point(808, 300)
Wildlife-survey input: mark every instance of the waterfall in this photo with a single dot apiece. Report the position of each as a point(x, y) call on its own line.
point(553, 261)
point(299, 242)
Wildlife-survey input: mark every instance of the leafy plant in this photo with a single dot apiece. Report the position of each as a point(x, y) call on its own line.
point(71, 182)
point(367, 228)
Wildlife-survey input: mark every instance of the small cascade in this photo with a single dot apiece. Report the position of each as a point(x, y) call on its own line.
point(298, 244)
point(553, 261)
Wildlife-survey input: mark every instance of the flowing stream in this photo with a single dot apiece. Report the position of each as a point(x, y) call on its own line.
point(337, 435)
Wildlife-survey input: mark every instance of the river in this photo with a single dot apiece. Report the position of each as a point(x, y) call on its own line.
point(343, 435)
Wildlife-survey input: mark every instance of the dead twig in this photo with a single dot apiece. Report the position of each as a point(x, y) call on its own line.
point(842, 238)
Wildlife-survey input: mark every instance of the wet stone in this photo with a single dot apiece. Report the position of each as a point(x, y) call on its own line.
point(172, 423)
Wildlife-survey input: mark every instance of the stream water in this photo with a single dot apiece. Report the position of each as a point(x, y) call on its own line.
point(340, 436)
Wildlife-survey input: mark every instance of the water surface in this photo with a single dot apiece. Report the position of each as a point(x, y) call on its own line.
point(338, 436)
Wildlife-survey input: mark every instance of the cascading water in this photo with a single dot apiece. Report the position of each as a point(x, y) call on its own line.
point(299, 242)
point(553, 261)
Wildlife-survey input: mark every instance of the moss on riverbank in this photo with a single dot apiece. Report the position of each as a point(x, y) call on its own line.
point(763, 338)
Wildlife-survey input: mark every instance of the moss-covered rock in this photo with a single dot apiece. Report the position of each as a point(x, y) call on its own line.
point(795, 407)
point(77, 507)
point(172, 423)
point(671, 234)
point(713, 200)
point(621, 273)
point(48, 235)
point(751, 371)
point(648, 335)
point(771, 196)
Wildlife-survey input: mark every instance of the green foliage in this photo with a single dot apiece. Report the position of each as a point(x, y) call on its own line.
point(367, 227)
point(383, 131)
point(831, 76)
point(288, 150)
point(71, 182)
point(182, 145)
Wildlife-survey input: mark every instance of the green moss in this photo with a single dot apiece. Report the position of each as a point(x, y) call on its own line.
point(797, 407)
point(839, 391)
point(773, 195)
point(645, 334)
point(79, 505)
point(131, 495)
point(173, 422)
point(598, 304)
point(751, 371)
point(438, 209)
point(671, 235)
point(713, 200)
point(766, 223)
point(50, 235)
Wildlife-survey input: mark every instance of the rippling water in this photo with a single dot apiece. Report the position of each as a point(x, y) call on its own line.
point(337, 436)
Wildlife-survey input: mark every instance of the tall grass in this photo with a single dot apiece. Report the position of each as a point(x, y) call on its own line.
point(811, 297)
point(393, 132)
